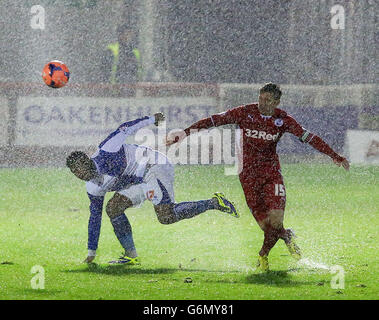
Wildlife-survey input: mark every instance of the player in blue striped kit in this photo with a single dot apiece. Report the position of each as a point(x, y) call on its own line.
point(136, 173)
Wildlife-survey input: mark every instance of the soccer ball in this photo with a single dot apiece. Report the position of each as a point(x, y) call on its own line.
point(55, 74)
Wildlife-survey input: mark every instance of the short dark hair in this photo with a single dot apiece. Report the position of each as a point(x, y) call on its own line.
point(75, 157)
point(272, 88)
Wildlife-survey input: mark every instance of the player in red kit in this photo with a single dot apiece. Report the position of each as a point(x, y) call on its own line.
point(263, 124)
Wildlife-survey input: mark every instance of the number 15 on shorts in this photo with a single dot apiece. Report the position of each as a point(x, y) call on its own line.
point(279, 190)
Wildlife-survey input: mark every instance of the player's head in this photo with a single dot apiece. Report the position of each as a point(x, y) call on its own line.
point(269, 97)
point(81, 165)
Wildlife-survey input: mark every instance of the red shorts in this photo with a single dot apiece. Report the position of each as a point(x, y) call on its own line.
point(264, 191)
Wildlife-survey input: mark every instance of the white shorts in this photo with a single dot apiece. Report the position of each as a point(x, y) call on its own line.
point(158, 186)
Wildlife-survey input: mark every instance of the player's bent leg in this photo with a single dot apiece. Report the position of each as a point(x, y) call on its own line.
point(165, 213)
point(271, 223)
point(117, 205)
point(262, 222)
point(275, 217)
point(273, 229)
point(287, 235)
point(159, 189)
point(115, 210)
point(271, 237)
point(168, 213)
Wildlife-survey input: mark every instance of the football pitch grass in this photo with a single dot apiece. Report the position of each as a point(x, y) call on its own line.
point(44, 217)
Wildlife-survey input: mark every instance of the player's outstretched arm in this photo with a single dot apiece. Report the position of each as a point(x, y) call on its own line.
point(228, 117)
point(117, 138)
point(178, 135)
point(316, 142)
point(320, 145)
point(175, 136)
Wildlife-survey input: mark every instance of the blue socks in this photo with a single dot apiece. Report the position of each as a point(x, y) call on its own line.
point(187, 210)
point(123, 231)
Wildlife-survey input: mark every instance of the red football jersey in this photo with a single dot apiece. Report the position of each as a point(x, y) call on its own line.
point(261, 134)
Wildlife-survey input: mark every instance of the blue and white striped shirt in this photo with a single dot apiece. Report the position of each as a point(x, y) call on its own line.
point(118, 165)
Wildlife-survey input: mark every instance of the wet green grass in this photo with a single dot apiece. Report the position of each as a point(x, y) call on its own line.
point(44, 216)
